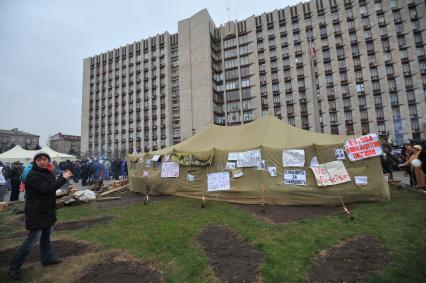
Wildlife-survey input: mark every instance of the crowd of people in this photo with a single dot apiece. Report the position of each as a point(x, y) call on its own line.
point(84, 170)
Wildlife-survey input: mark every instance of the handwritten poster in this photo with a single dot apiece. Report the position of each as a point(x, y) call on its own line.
point(232, 156)
point(363, 147)
point(170, 170)
point(295, 177)
point(218, 181)
point(331, 173)
point(249, 158)
point(293, 158)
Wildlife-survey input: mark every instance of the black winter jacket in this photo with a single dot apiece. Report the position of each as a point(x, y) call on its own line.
point(40, 204)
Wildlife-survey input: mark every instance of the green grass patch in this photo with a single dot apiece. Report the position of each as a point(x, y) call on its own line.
point(164, 234)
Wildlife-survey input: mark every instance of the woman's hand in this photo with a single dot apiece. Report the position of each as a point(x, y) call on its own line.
point(67, 174)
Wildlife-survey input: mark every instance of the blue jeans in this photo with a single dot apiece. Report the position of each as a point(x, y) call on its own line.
point(43, 236)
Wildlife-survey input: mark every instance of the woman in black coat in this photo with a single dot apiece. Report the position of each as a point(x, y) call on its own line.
point(40, 212)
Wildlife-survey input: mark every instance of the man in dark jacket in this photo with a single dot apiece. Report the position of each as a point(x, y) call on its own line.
point(40, 212)
point(14, 175)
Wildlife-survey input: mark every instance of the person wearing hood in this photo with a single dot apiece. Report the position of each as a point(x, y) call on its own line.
point(40, 212)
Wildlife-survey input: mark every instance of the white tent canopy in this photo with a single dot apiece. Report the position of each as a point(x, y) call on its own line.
point(26, 156)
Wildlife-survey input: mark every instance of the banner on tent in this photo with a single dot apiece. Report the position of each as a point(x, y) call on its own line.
point(295, 177)
point(170, 170)
point(293, 158)
point(331, 173)
point(249, 158)
point(363, 147)
point(218, 181)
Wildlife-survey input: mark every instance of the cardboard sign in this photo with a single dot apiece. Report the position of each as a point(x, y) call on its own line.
point(155, 157)
point(237, 173)
point(190, 178)
point(249, 158)
point(170, 170)
point(339, 153)
point(232, 156)
point(361, 180)
point(230, 165)
point(331, 173)
point(363, 147)
point(261, 165)
point(295, 177)
point(272, 171)
point(293, 158)
point(218, 181)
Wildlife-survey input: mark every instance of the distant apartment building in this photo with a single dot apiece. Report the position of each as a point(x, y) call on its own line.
point(10, 138)
point(339, 67)
point(68, 144)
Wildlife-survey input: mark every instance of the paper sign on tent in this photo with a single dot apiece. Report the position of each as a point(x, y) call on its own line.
point(232, 156)
point(249, 158)
point(272, 171)
point(361, 180)
point(237, 173)
point(314, 162)
point(170, 170)
point(190, 177)
point(145, 173)
point(148, 163)
point(331, 173)
point(363, 147)
point(339, 153)
point(155, 157)
point(293, 158)
point(230, 165)
point(295, 177)
point(218, 181)
point(261, 165)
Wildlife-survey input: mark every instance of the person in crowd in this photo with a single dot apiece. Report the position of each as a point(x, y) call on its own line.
point(406, 152)
point(418, 172)
point(84, 172)
point(40, 212)
point(116, 169)
point(56, 170)
point(76, 171)
point(124, 168)
point(14, 176)
point(107, 166)
point(5, 171)
point(386, 161)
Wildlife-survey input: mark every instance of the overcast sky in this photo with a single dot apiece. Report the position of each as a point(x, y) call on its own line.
point(43, 44)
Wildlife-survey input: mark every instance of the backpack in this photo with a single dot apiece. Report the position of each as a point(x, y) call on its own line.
point(25, 173)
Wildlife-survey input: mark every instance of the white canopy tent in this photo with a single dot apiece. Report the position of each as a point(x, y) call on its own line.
point(17, 154)
point(26, 156)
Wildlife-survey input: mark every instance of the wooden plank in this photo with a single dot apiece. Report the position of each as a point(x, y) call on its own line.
point(107, 198)
point(114, 190)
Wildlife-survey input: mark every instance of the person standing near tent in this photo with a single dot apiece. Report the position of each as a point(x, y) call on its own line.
point(14, 176)
point(420, 176)
point(40, 212)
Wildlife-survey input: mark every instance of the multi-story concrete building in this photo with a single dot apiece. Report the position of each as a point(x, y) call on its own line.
point(10, 138)
point(340, 67)
point(68, 144)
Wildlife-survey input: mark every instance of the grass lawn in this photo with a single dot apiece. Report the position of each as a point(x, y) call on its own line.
point(164, 234)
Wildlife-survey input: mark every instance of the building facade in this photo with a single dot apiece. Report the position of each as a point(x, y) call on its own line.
point(10, 138)
point(340, 67)
point(68, 144)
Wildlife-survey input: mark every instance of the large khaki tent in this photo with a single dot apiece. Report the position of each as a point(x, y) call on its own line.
point(26, 156)
point(207, 152)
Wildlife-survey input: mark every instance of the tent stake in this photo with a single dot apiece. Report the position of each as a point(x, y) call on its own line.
point(203, 201)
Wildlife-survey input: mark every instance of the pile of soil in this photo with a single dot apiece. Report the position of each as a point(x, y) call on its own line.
point(61, 226)
point(285, 214)
point(232, 259)
point(354, 260)
point(128, 199)
point(60, 249)
point(112, 270)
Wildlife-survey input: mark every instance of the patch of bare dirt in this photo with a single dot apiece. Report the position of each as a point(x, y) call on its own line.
point(285, 214)
point(354, 260)
point(128, 199)
point(232, 259)
point(60, 249)
point(61, 226)
point(119, 268)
